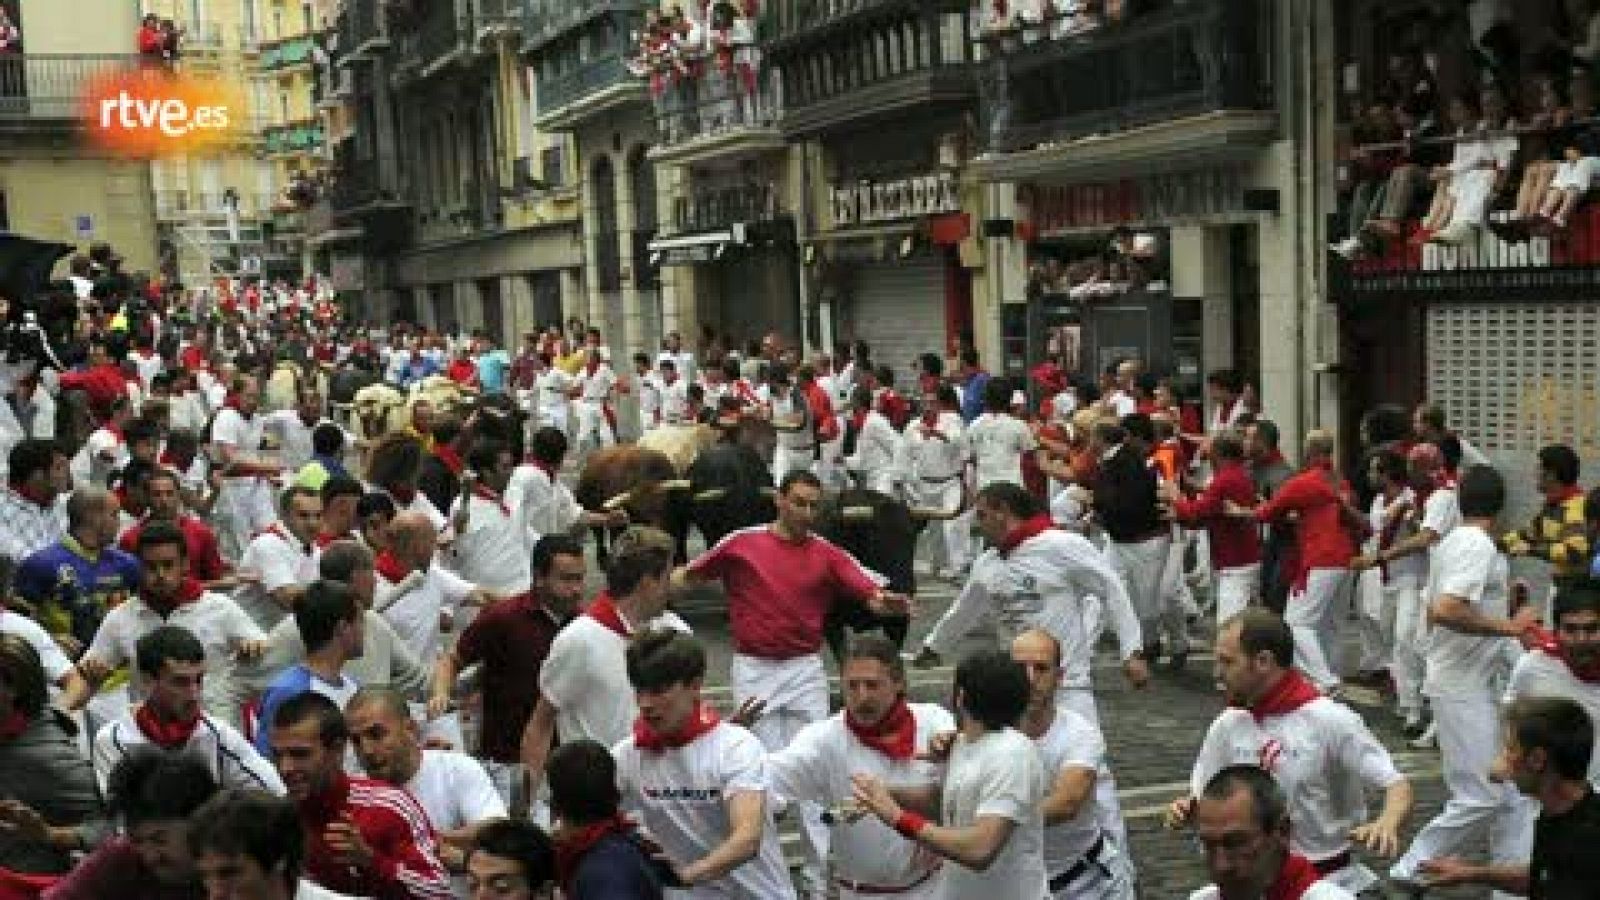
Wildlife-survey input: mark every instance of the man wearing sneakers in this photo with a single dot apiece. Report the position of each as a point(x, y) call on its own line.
point(1318, 750)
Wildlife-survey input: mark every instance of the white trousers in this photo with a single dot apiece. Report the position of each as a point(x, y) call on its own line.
point(1236, 589)
point(1375, 619)
point(1469, 739)
point(1472, 191)
point(1405, 597)
point(942, 543)
point(1143, 567)
point(593, 429)
point(1313, 615)
point(1108, 877)
point(1112, 822)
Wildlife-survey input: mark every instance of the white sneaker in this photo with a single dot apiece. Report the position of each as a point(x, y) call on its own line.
point(1348, 248)
point(1456, 233)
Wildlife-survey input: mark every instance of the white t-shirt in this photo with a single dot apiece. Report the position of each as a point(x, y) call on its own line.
point(585, 676)
point(1466, 564)
point(999, 774)
point(931, 457)
point(817, 766)
point(454, 790)
point(1072, 742)
point(595, 387)
point(545, 506)
point(998, 441)
point(101, 454)
point(244, 437)
point(680, 796)
point(494, 550)
point(552, 389)
point(675, 402)
point(413, 607)
point(281, 562)
point(1538, 674)
point(1322, 755)
point(55, 662)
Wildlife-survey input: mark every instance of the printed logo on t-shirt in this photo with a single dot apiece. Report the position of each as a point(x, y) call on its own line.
point(680, 794)
point(1271, 752)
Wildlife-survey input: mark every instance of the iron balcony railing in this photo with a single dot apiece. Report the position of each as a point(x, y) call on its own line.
point(545, 21)
point(721, 100)
point(489, 13)
point(783, 20)
point(587, 79)
point(363, 23)
point(1050, 82)
point(443, 30)
point(714, 208)
point(52, 86)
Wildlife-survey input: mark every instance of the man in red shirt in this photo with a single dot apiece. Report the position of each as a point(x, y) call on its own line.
point(1316, 497)
point(781, 581)
point(166, 505)
point(363, 837)
point(1235, 542)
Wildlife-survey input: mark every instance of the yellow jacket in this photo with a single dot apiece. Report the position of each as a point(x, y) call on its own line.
point(1558, 534)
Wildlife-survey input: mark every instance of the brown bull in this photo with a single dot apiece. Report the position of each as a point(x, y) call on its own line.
point(641, 481)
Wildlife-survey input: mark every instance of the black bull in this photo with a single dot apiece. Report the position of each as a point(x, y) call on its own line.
point(881, 533)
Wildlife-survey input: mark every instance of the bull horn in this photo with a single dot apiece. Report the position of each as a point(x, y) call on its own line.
point(618, 502)
point(710, 495)
point(769, 492)
point(932, 514)
point(857, 513)
point(675, 484)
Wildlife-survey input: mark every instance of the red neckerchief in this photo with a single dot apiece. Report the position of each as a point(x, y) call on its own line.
point(37, 498)
point(189, 590)
point(1273, 458)
point(1291, 692)
point(1548, 642)
point(451, 458)
point(858, 419)
point(1562, 494)
point(489, 495)
point(574, 846)
point(390, 567)
point(1294, 879)
point(231, 401)
point(895, 736)
point(1030, 528)
point(591, 367)
point(704, 719)
point(327, 804)
point(164, 734)
point(930, 418)
point(115, 432)
point(404, 494)
point(13, 725)
point(604, 610)
point(323, 539)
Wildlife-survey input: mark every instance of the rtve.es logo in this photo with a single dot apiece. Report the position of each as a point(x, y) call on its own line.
point(154, 112)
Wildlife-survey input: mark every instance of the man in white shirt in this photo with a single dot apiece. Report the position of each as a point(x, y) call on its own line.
point(877, 734)
point(1317, 749)
point(247, 486)
point(674, 394)
point(493, 546)
point(697, 784)
point(649, 393)
point(594, 390)
point(876, 447)
point(552, 396)
point(172, 664)
point(169, 596)
point(584, 692)
point(536, 494)
point(796, 432)
point(997, 440)
point(1565, 664)
point(1085, 860)
point(990, 805)
point(293, 428)
point(453, 788)
point(420, 598)
point(105, 450)
point(282, 559)
point(1471, 636)
point(1121, 400)
point(1244, 825)
point(681, 359)
point(935, 459)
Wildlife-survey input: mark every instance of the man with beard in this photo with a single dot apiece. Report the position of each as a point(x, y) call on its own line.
point(1319, 750)
point(879, 734)
point(1566, 663)
point(509, 642)
point(1243, 824)
point(363, 837)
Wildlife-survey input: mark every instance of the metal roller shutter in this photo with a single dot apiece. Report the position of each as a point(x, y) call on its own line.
point(1515, 377)
point(898, 309)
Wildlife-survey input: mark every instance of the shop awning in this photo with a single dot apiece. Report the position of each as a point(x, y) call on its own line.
point(690, 249)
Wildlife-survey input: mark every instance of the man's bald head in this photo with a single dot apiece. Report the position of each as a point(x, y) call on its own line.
point(1037, 640)
point(412, 537)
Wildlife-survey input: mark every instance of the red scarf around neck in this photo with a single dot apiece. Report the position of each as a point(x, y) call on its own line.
point(390, 568)
point(700, 723)
point(1030, 528)
point(604, 610)
point(1294, 879)
point(1291, 692)
point(858, 419)
point(451, 458)
point(571, 848)
point(12, 726)
point(1562, 494)
point(41, 499)
point(164, 734)
point(895, 736)
point(1548, 642)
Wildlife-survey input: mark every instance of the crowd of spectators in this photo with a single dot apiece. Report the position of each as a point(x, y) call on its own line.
point(703, 67)
point(1501, 134)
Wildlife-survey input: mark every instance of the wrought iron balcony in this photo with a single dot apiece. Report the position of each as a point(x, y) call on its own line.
point(296, 52)
point(489, 16)
point(718, 113)
point(587, 89)
point(714, 208)
point(352, 192)
point(439, 35)
point(362, 30)
point(844, 60)
point(39, 88)
point(546, 21)
point(1050, 84)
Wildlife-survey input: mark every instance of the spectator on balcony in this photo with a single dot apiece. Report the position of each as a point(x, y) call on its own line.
point(1378, 152)
point(1542, 148)
point(1465, 115)
point(171, 42)
point(10, 35)
point(721, 92)
point(1578, 147)
point(1412, 88)
point(152, 43)
point(1481, 170)
point(747, 61)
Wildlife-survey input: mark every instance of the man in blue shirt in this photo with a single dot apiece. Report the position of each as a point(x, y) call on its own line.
point(71, 584)
point(973, 380)
point(332, 626)
point(492, 365)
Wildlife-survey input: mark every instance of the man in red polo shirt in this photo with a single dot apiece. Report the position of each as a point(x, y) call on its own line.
point(511, 639)
point(166, 505)
point(1235, 543)
point(781, 580)
point(1317, 498)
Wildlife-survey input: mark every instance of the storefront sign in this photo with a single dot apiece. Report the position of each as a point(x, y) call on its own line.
point(1152, 200)
point(1487, 265)
point(888, 201)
